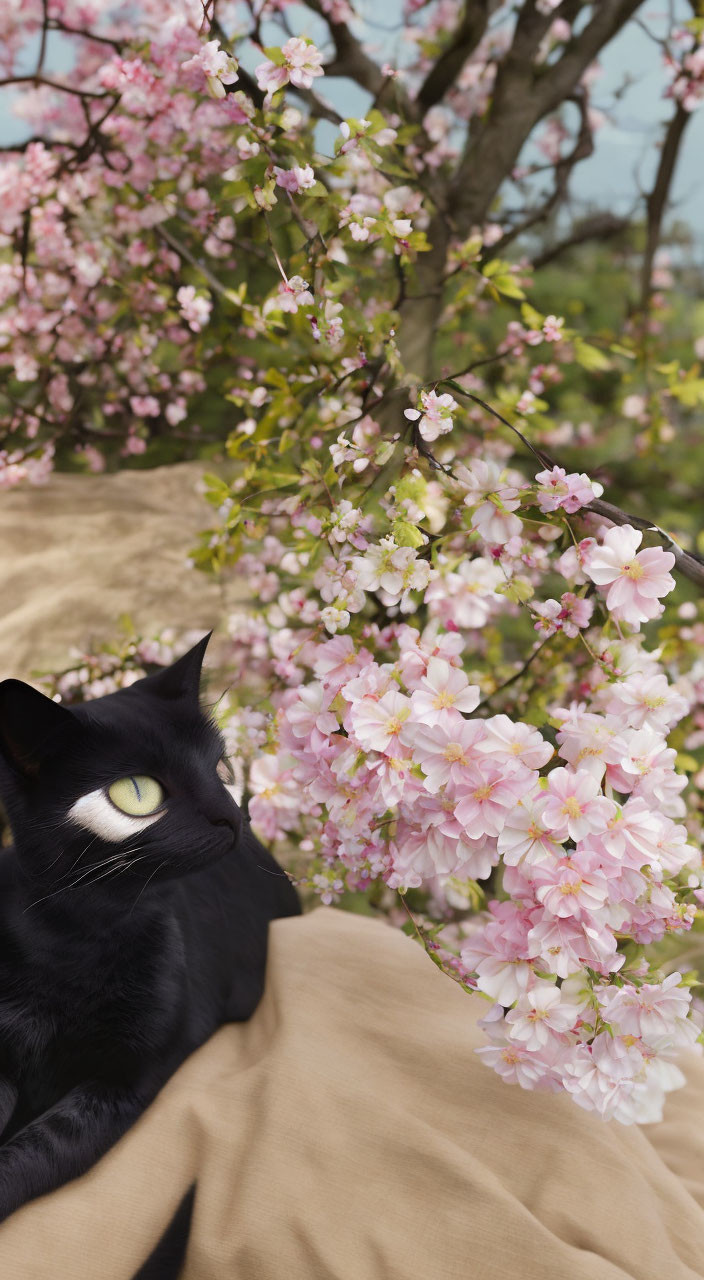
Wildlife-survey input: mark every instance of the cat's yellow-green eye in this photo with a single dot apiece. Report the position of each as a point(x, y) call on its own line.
point(137, 796)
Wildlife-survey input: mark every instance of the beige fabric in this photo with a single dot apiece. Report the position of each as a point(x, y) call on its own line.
point(348, 1132)
point(76, 555)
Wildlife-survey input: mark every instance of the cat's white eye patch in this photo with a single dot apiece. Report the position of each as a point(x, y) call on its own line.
point(95, 812)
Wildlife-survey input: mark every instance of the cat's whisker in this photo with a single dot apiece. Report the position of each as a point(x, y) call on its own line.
point(81, 855)
point(40, 875)
point(134, 849)
point(120, 866)
point(127, 865)
point(64, 887)
point(269, 872)
point(119, 862)
point(151, 877)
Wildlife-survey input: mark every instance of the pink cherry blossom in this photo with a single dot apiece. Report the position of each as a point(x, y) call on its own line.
point(443, 693)
point(391, 570)
point(149, 300)
point(571, 492)
point(216, 65)
point(377, 724)
point(568, 891)
point(539, 1013)
point(499, 954)
point(291, 295)
point(587, 741)
point(574, 806)
point(195, 307)
point(338, 661)
point(486, 792)
point(466, 596)
point(301, 65)
point(524, 835)
point(553, 325)
point(444, 752)
point(513, 1063)
point(434, 417)
point(657, 1012)
point(647, 701)
point(310, 714)
point(633, 580)
point(506, 737)
point(299, 178)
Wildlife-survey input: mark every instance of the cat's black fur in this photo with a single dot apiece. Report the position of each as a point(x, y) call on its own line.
point(112, 973)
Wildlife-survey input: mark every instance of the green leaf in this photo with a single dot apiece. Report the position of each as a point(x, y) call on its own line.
point(271, 479)
point(531, 317)
point(507, 285)
point(406, 534)
point(413, 487)
point(239, 187)
point(690, 393)
point(519, 590)
point(590, 357)
point(274, 54)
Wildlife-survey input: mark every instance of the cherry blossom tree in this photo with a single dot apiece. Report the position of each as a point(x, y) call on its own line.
point(466, 699)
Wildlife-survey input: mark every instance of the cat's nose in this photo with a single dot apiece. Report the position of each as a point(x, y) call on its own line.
point(231, 820)
point(232, 823)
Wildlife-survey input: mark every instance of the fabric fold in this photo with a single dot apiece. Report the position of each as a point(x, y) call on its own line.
point(350, 1132)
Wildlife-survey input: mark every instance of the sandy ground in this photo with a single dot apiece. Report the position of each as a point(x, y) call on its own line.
point(84, 550)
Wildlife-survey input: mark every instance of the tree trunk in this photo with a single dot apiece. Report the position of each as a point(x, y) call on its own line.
point(420, 311)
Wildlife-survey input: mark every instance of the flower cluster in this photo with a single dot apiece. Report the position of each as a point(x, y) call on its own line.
point(388, 766)
point(409, 784)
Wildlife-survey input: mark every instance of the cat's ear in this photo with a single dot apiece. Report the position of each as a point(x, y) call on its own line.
point(182, 678)
point(31, 726)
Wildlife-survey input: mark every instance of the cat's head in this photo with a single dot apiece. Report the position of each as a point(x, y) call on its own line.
point(135, 777)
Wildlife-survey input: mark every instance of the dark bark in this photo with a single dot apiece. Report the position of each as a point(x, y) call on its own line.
point(420, 310)
point(656, 202)
point(445, 71)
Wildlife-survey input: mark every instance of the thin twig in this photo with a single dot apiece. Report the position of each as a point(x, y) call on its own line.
point(516, 676)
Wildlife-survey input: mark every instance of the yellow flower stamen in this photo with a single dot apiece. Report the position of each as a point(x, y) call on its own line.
point(443, 699)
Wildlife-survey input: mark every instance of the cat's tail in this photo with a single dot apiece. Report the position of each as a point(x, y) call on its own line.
point(166, 1260)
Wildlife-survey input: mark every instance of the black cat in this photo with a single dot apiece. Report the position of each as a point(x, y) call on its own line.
point(134, 909)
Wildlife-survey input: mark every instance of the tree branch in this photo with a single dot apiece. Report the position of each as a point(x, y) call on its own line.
point(523, 94)
point(56, 24)
point(689, 564)
point(451, 61)
point(582, 149)
point(656, 202)
point(42, 44)
point(56, 84)
point(600, 226)
point(185, 253)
